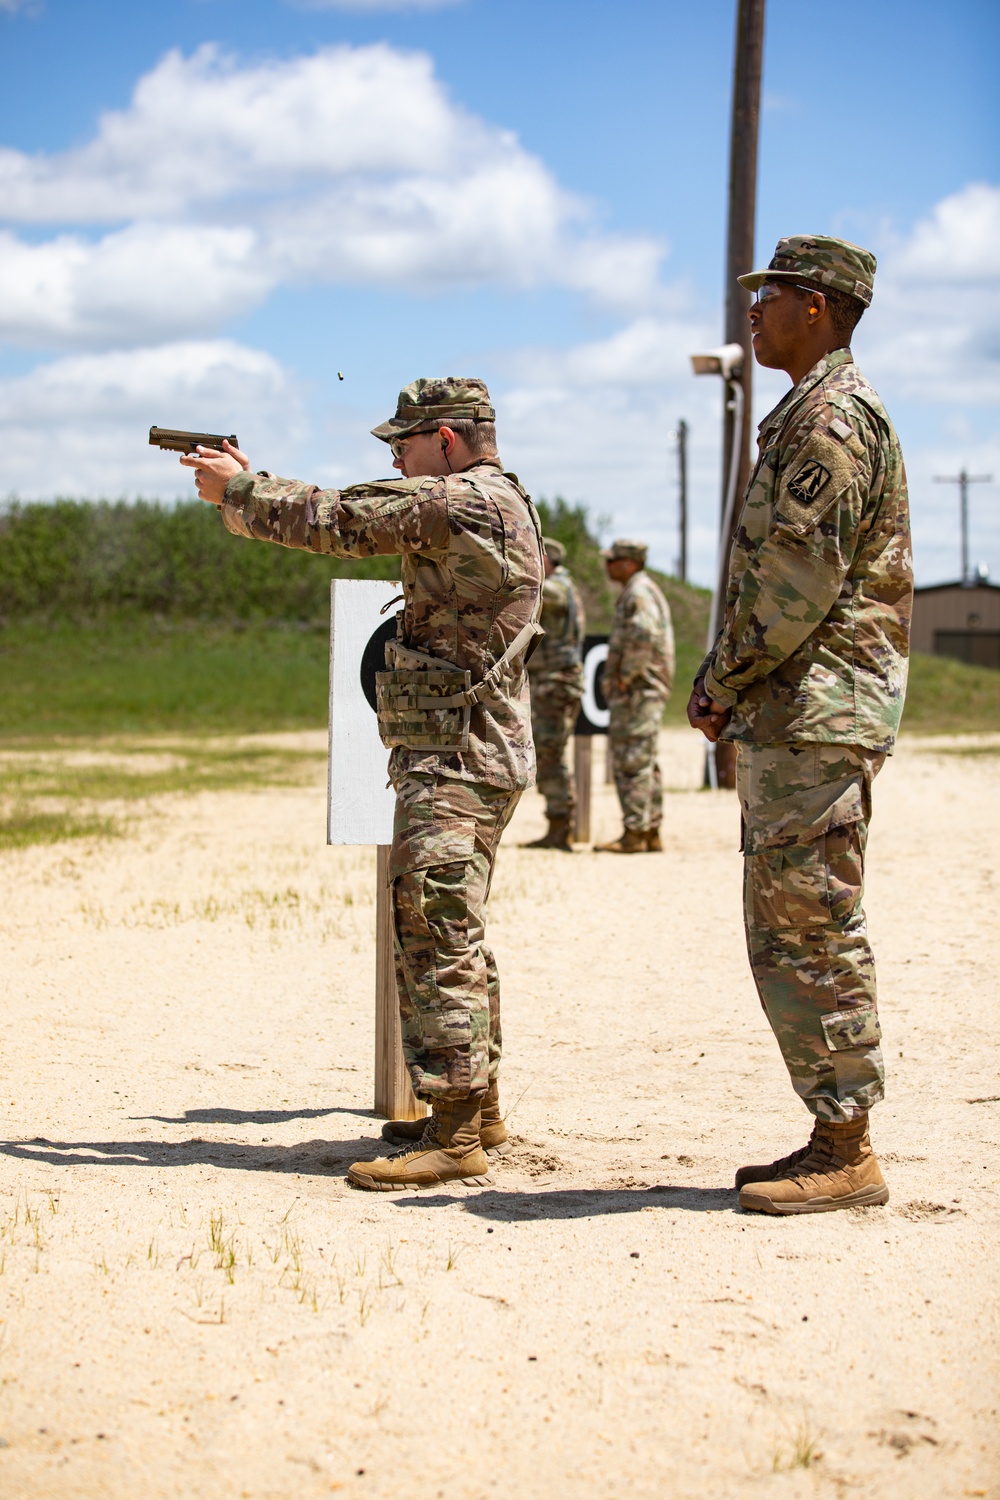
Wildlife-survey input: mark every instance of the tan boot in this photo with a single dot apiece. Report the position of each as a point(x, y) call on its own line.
point(775, 1169)
point(492, 1132)
point(556, 837)
point(839, 1170)
point(632, 841)
point(449, 1151)
point(653, 841)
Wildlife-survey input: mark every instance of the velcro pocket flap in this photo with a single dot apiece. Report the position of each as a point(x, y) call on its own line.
point(803, 815)
point(420, 848)
point(845, 1029)
point(813, 481)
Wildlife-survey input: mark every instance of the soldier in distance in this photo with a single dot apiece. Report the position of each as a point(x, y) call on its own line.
point(556, 676)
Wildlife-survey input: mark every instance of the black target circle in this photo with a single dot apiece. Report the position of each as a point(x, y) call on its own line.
point(373, 658)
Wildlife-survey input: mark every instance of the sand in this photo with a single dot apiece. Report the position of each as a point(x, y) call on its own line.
point(193, 1303)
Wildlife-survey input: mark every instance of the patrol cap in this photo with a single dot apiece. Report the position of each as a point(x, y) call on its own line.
point(554, 551)
point(627, 551)
point(457, 397)
point(817, 257)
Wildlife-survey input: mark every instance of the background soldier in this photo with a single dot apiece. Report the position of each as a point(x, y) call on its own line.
point(470, 543)
point(808, 674)
point(638, 676)
point(556, 675)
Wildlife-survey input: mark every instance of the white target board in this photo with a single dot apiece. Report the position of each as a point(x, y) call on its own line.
point(359, 803)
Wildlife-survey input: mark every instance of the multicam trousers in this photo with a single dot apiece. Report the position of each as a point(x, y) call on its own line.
point(444, 844)
point(633, 731)
point(806, 810)
point(554, 710)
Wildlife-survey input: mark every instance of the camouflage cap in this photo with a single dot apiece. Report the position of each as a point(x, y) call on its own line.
point(424, 401)
point(627, 551)
point(817, 257)
point(554, 551)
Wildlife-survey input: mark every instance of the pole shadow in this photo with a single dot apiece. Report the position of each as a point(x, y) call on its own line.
point(319, 1158)
point(249, 1116)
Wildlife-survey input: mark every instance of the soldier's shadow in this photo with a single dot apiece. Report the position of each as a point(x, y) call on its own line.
point(577, 1203)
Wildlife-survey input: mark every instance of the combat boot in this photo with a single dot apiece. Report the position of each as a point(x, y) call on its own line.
point(492, 1131)
point(448, 1151)
point(653, 841)
point(774, 1169)
point(555, 837)
point(632, 841)
point(839, 1170)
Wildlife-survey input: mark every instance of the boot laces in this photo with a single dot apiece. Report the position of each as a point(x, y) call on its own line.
point(428, 1142)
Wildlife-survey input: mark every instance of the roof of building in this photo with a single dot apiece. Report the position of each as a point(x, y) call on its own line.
point(974, 583)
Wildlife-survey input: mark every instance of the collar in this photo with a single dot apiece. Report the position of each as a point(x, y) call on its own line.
point(481, 463)
point(820, 370)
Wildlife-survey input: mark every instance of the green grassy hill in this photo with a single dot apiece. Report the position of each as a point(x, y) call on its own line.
point(148, 619)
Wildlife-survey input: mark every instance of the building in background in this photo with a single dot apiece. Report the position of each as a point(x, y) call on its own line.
point(961, 620)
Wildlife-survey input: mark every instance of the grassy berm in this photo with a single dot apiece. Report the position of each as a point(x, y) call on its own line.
point(119, 623)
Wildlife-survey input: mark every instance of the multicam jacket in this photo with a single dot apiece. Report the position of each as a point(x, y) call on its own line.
point(816, 635)
point(471, 569)
point(558, 655)
point(641, 648)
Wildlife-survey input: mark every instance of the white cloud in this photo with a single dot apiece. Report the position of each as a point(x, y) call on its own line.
point(79, 426)
point(349, 165)
point(933, 332)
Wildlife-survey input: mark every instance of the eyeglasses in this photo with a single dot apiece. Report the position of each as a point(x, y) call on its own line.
point(397, 446)
point(768, 290)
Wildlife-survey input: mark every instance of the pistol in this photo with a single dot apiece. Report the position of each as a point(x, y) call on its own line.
point(187, 442)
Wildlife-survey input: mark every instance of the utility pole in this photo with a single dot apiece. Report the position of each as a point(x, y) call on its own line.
point(682, 461)
point(963, 480)
point(740, 258)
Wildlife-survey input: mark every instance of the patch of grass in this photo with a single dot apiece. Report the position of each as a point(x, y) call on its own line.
point(949, 697)
point(117, 772)
point(140, 675)
point(52, 792)
point(801, 1453)
point(25, 826)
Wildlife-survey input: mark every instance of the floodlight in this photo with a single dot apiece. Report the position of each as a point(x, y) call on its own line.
point(726, 361)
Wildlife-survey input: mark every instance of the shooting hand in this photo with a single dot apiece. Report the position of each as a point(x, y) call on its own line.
point(214, 470)
point(705, 714)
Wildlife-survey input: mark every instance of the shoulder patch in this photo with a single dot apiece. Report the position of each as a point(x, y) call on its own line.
point(812, 482)
point(808, 481)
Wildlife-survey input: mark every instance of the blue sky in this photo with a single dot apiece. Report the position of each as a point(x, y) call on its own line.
point(530, 192)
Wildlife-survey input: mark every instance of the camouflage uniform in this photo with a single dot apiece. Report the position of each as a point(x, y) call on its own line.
point(638, 677)
point(812, 661)
point(556, 676)
point(471, 573)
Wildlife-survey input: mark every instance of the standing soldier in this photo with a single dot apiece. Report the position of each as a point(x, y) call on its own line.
point(638, 676)
point(454, 709)
point(556, 675)
point(808, 675)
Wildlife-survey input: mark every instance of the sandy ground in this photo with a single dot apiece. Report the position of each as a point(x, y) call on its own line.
point(194, 1304)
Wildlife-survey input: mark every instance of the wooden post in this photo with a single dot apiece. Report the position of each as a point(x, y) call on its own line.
point(583, 755)
point(394, 1098)
point(739, 258)
point(682, 464)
